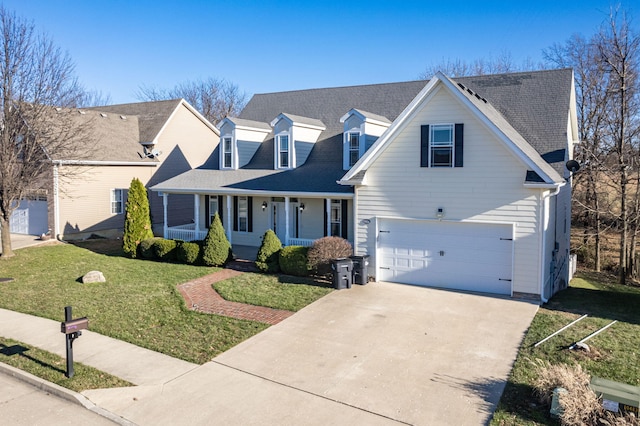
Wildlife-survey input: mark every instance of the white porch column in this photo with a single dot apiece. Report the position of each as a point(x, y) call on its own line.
point(196, 214)
point(287, 209)
point(165, 204)
point(328, 203)
point(229, 226)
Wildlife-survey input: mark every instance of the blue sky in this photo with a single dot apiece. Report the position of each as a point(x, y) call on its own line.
point(267, 46)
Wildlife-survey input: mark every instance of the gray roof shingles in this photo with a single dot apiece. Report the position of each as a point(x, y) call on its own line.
point(536, 104)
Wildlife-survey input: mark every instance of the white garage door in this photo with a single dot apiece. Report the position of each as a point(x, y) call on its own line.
point(29, 218)
point(457, 255)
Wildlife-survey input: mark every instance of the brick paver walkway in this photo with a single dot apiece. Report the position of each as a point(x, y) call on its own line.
point(200, 296)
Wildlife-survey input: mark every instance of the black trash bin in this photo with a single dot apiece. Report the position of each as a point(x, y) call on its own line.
point(360, 269)
point(342, 273)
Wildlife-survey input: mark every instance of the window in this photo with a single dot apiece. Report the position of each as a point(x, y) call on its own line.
point(116, 201)
point(283, 151)
point(441, 145)
point(336, 218)
point(213, 208)
point(354, 148)
point(226, 152)
point(243, 214)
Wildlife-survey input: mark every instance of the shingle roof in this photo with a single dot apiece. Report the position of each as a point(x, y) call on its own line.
point(535, 104)
point(152, 116)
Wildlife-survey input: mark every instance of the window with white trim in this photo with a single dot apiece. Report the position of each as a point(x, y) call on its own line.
point(116, 201)
point(243, 214)
point(213, 208)
point(353, 139)
point(336, 218)
point(226, 152)
point(283, 151)
point(441, 145)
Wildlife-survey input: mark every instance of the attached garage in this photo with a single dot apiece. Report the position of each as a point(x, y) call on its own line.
point(469, 256)
point(30, 217)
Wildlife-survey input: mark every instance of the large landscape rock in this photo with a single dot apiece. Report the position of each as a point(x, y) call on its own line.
point(93, 277)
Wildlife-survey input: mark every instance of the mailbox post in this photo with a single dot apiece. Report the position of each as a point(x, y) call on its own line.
point(71, 328)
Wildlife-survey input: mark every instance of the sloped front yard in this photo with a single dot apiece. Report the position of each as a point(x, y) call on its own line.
point(614, 353)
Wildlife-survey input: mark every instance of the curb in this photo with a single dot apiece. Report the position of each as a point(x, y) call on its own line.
point(62, 392)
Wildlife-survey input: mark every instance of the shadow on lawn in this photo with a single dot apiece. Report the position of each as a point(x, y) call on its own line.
point(20, 351)
point(104, 246)
point(615, 303)
point(312, 281)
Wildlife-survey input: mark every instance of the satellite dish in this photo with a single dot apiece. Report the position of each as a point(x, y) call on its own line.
point(573, 166)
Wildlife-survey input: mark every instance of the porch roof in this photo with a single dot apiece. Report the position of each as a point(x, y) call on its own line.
point(312, 179)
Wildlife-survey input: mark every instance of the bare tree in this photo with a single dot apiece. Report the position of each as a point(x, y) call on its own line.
point(35, 76)
point(618, 47)
point(503, 63)
point(214, 98)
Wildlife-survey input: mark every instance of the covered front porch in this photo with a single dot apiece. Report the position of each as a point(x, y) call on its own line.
point(296, 220)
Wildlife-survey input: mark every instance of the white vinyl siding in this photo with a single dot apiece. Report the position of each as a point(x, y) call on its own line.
point(397, 187)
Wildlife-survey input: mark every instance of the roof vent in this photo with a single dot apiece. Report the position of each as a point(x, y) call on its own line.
point(124, 117)
point(461, 86)
point(102, 114)
point(81, 112)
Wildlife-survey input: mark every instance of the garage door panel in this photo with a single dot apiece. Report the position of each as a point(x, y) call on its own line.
point(460, 255)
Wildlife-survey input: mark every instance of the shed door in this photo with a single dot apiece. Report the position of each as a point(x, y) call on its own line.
point(456, 255)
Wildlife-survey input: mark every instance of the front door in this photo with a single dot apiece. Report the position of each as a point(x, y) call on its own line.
point(279, 220)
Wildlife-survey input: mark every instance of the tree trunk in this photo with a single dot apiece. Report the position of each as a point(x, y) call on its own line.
point(6, 238)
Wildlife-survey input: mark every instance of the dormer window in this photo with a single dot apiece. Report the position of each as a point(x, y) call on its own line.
point(353, 140)
point(283, 151)
point(227, 152)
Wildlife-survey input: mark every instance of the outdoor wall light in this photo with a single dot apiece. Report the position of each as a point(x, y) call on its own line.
point(264, 205)
point(440, 213)
point(301, 207)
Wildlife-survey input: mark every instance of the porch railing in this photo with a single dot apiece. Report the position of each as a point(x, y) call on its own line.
point(300, 242)
point(186, 232)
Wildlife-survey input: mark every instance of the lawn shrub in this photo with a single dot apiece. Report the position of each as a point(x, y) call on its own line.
point(268, 256)
point(188, 252)
point(165, 250)
point(137, 220)
point(146, 249)
point(293, 261)
point(325, 249)
point(216, 249)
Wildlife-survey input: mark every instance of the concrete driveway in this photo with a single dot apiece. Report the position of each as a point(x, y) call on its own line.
point(380, 354)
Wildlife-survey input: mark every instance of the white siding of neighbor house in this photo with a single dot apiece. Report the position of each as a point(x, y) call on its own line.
point(488, 188)
point(85, 199)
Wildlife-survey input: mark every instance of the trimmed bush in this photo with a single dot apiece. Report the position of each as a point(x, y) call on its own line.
point(293, 261)
point(137, 221)
point(146, 248)
point(216, 250)
point(325, 249)
point(165, 250)
point(188, 252)
point(267, 259)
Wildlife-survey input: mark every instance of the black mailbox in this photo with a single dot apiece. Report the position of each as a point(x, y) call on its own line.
point(75, 325)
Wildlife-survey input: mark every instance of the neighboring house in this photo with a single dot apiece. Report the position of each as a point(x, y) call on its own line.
point(447, 183)
point(151, 141)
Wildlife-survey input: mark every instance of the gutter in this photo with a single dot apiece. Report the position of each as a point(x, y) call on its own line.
point(103, 163)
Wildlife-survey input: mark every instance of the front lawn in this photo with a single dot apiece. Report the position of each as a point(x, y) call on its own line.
point(274, 291)
point(614, 355)
point(139, 303)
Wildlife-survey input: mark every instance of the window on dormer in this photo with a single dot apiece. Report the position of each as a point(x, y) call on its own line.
point(354, 148)
point(226, 152)
point(283, 151)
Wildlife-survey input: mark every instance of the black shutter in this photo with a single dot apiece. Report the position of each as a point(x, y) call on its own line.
point(325, 218)
point(206, 211)
point(345, 219)
point(235, 213)
point(424, 145)
point(459, 142)
point(220, 209)
point(250, 214)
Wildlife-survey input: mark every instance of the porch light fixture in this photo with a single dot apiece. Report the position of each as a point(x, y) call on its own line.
point(264, 205)
point(301, 207)
point(440, 213)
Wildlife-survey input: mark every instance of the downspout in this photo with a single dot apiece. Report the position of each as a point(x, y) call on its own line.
point(56, 202)
point(543, 240)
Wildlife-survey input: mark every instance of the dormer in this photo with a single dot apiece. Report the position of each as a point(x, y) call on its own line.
point(293, 139)
point(239, 141)
point(361, 130)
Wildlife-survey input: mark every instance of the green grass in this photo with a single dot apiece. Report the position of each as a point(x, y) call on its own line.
point(274, 291)
point(52, 367)
point(615, 353)
point(139, 303)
